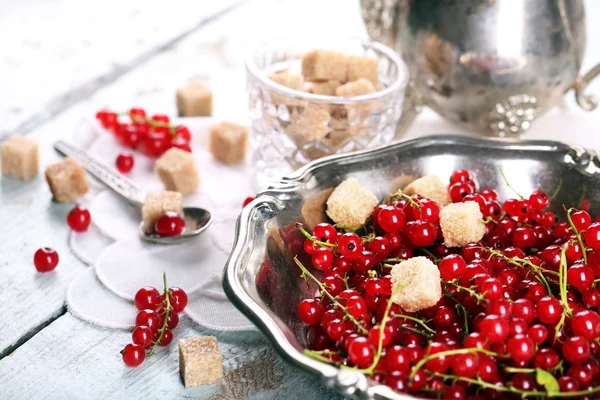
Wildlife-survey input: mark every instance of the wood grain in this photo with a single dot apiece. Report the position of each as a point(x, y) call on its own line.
point(72, 359)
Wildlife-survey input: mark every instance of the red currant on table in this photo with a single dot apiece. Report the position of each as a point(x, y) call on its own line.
point(45, 259)
point(172, 321)
point(178, 299)
point(147, 298)
point(133, 355)
point(247, 201)
point(137, 114)
point(166, 339)
point(148, 318)
point(142, 335)
point(161, 118)
point(170, 224)
point(79, 219)
point(124, 162)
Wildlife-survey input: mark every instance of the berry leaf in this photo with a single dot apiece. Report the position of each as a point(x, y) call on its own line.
point(547, 380)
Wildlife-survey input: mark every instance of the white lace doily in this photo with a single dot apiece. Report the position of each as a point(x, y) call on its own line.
point(121, 263)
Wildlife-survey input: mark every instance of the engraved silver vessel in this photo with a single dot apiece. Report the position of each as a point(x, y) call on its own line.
point(491, 65)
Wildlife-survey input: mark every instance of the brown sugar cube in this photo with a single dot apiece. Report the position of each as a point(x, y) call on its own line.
point(355, 88)
point(308, 124)
point(350, 204)
point(200, 361)
point(324, 65)
point(194, 100)
point(67, 180)
point(323, 88)
point(429, 186)
point(228, 142)
point(313, 209)
point(157, 204)
point(178, 172)
point(287, 79)
point(363, 67)
point(462, 223)
point(20, 158)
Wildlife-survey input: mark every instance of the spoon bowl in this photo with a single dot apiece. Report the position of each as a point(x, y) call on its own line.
point(197, 220)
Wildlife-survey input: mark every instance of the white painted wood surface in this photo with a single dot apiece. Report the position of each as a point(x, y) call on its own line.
point(103, 54)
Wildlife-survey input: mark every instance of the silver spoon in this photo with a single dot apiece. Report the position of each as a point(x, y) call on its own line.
point(196, 219)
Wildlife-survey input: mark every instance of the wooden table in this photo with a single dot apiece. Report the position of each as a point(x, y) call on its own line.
point(65, 59)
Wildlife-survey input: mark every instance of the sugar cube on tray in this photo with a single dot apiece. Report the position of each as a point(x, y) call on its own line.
point(194, 100)
point(462, 223)
point(157, 204)
point(200, 361)
point(429, 186)
point(67, 180)
point(228, 142)
point(350, 204)
point(178, 172)
point(416, 284)
point(20, 158)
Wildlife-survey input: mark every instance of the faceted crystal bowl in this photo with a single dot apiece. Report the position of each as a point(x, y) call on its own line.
point(261, 279)
point(291, 127)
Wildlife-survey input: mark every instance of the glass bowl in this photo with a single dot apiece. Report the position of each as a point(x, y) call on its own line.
point(293, 127)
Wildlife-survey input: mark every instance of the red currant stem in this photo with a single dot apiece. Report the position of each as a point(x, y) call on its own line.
point(417, 331)
point(538, 271)
point(368, 238)
point(578, 234)
point(153, 123)
point(315, 241)
point(430, 357)
point(489, 219)
point(394, 259)
point(417, 320)
point(317, 355)
point(430, 254)
point(562, 283)
point(463, 311)
point(168, 309)
point(306, 273)
point(472, 292)
point(384, 320)
point(347, 228)
point(508, 184)
point(512, 389)
point(411, 201)
point(515, 370)
point(557, 190)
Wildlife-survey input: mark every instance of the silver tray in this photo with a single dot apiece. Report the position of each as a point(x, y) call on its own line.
point(263, 282)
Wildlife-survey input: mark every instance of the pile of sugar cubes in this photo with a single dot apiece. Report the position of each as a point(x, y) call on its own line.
point(328, 73)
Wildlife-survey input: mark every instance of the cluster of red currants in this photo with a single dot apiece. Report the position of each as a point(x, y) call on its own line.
point(519, 312)
point(154, 323)
point(152, 135)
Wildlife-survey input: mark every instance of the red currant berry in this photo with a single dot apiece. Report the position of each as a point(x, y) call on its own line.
point(148, 318)
point(137, 114)
point(489, 194)
point(421, 233)
point(124, 162)
point(495, 328)
point(576, 350)
point(45, 259)
point(479, 199)
point(428, 211)
point(322, 259)
point(169, 224)
point(311, 312)
point(361, 352)
point(350, 245)
point(581, 220)
point(142, 335)
point(380, 245)
point(172, 321)
point(460, 175)
point(459, 190)
point(166, 338)
point(147, 298)
point(247, 201)
point(178, 299)
point(546, 359)
point(491, 289)
point(79, 219)
point(183, 133)
point(452, 267)
point(521, 348)
point(398, 359)
point(592, 235)
point(549, 310)
point(539, 200)
point(325, 233)
point(586, 323)
point(391, 219)
point(567, 384)
point(591, 297)
point(580, 276)
point(523, 237)
point(465, 365)
point(439, 364)
point(133, 355)
point(538, 333)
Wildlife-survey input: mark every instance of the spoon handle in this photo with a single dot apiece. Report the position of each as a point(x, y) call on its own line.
point(114, 180)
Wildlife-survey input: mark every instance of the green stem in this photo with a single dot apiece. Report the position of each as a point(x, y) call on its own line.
point(562, 269)
point(315, 241)
point(415, 330)
point(324, 291)
point(538, 271)
point(411, 201)
point(430, 357)
point(515, 370)
point(430, 254)
point(152, 123)
point(578, 234)
point(168, 310)
point(463, 311)
point(509, 185)
point(317, 355)
point(512, 389)
point(473, 293)
point(556, 190)
point(418, 321)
